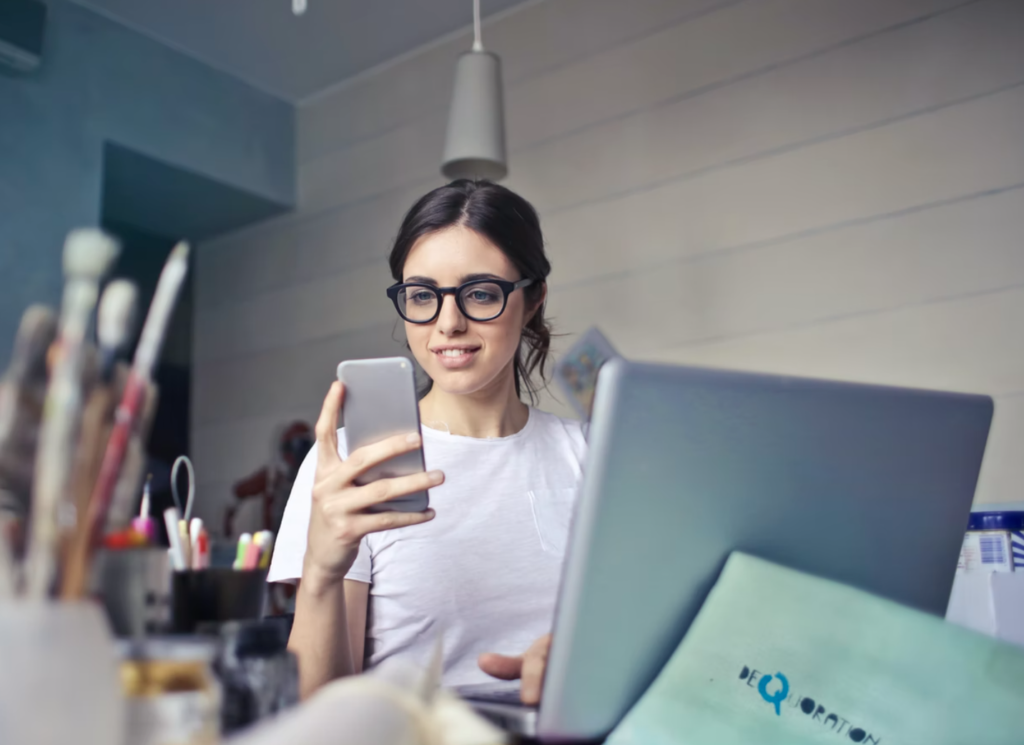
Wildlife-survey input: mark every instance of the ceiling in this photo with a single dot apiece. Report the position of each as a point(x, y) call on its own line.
point(295, 57)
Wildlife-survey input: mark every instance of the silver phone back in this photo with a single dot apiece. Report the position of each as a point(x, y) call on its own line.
point(867, 485)
point(380, 401)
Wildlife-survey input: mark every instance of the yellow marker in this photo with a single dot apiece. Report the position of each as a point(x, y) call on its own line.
point(266, 549)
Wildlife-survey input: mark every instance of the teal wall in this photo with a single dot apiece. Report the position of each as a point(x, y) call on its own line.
point(101, 82)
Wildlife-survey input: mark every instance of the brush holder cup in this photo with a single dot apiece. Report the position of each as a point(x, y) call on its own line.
point(213, 596)
point(59, 679)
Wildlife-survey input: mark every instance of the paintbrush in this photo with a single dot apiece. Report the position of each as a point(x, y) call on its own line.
point(113, 328)
point(36, 333)
point(22, 391)
point(88, 254)
point(115, 323)
point(134, 397)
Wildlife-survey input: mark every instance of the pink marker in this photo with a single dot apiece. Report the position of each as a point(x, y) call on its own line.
point(252, 556)
point(143, 524)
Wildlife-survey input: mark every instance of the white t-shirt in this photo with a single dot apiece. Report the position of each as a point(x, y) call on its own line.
point(485, 571)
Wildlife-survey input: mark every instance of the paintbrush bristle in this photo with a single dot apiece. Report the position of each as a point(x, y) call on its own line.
point(116, 313)
point(88, 253)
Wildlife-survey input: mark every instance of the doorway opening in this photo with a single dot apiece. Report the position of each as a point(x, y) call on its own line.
point(150, 205)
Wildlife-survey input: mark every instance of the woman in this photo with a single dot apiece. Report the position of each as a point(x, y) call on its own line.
point(481, 567)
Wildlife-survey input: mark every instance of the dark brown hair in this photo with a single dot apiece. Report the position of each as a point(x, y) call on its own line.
point(510, 223)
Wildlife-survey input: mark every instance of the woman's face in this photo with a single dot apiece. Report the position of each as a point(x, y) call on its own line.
point(463, 356)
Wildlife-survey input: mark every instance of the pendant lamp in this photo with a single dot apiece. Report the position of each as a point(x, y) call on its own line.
point(475, 143)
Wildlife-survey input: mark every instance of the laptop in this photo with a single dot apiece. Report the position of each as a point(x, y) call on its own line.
point(867, 485)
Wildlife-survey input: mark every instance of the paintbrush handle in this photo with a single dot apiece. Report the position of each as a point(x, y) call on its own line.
point(87, 256)
point(76, 563)
point(56, 443)
point(124, 421)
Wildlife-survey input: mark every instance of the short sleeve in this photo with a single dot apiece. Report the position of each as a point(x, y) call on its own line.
point(362, 569)
point(290, 544)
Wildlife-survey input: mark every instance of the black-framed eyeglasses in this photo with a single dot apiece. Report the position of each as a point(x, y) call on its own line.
point(477, 300)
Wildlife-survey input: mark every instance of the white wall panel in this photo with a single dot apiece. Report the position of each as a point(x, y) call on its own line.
point(959, 150)
point(285, 379)
point(855, 86)
point(967, 247)
point(314, 310)
point(969, 344)
point(818, 188)
point(286, 254)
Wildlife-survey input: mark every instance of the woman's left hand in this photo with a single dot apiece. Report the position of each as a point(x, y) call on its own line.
point(527, 668)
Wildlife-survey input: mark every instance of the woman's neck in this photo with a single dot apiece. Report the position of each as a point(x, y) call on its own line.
point(495, 411)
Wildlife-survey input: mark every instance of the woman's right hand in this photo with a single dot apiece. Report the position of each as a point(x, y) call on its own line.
point(338, 517)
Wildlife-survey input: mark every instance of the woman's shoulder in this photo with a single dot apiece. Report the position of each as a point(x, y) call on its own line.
point(553, 426)
point(547, 419)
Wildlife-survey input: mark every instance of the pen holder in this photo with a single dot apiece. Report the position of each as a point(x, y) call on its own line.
point(59, 680)
point(216, 595)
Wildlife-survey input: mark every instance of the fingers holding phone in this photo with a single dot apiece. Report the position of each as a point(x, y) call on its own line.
point(373, 497)
point(340, 512)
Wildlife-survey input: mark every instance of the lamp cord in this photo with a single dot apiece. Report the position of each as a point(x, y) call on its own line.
point(478, 45)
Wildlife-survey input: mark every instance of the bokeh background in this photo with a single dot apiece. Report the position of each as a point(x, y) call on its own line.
point(830, 188)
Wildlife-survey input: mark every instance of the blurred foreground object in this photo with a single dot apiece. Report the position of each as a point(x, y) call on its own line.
point(113, 327)
point(394, 704)
point(70, 465)
point(88, 256)
point(108, 503)
point(59, 680)
point(259, 676)
point(171, 694)
point(22, 391)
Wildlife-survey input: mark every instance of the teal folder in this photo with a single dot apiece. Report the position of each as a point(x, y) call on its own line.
point(779, 657)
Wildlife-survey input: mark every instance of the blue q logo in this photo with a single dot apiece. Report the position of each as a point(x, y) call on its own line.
point(778, 697)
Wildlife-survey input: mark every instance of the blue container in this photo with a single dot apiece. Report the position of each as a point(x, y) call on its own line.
point(1011, 523)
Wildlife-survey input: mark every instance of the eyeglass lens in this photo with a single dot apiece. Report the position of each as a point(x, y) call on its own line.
point(480, 302)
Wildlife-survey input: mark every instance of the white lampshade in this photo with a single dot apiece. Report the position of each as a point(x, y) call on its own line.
point(475, 143)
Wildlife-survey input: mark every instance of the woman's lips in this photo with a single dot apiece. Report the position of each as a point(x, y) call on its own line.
point(454, 359)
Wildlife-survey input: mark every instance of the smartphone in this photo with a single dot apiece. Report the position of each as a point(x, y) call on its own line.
point(380, 401)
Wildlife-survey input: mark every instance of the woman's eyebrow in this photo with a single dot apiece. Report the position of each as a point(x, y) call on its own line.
point(420, 280)
point(471, 277)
